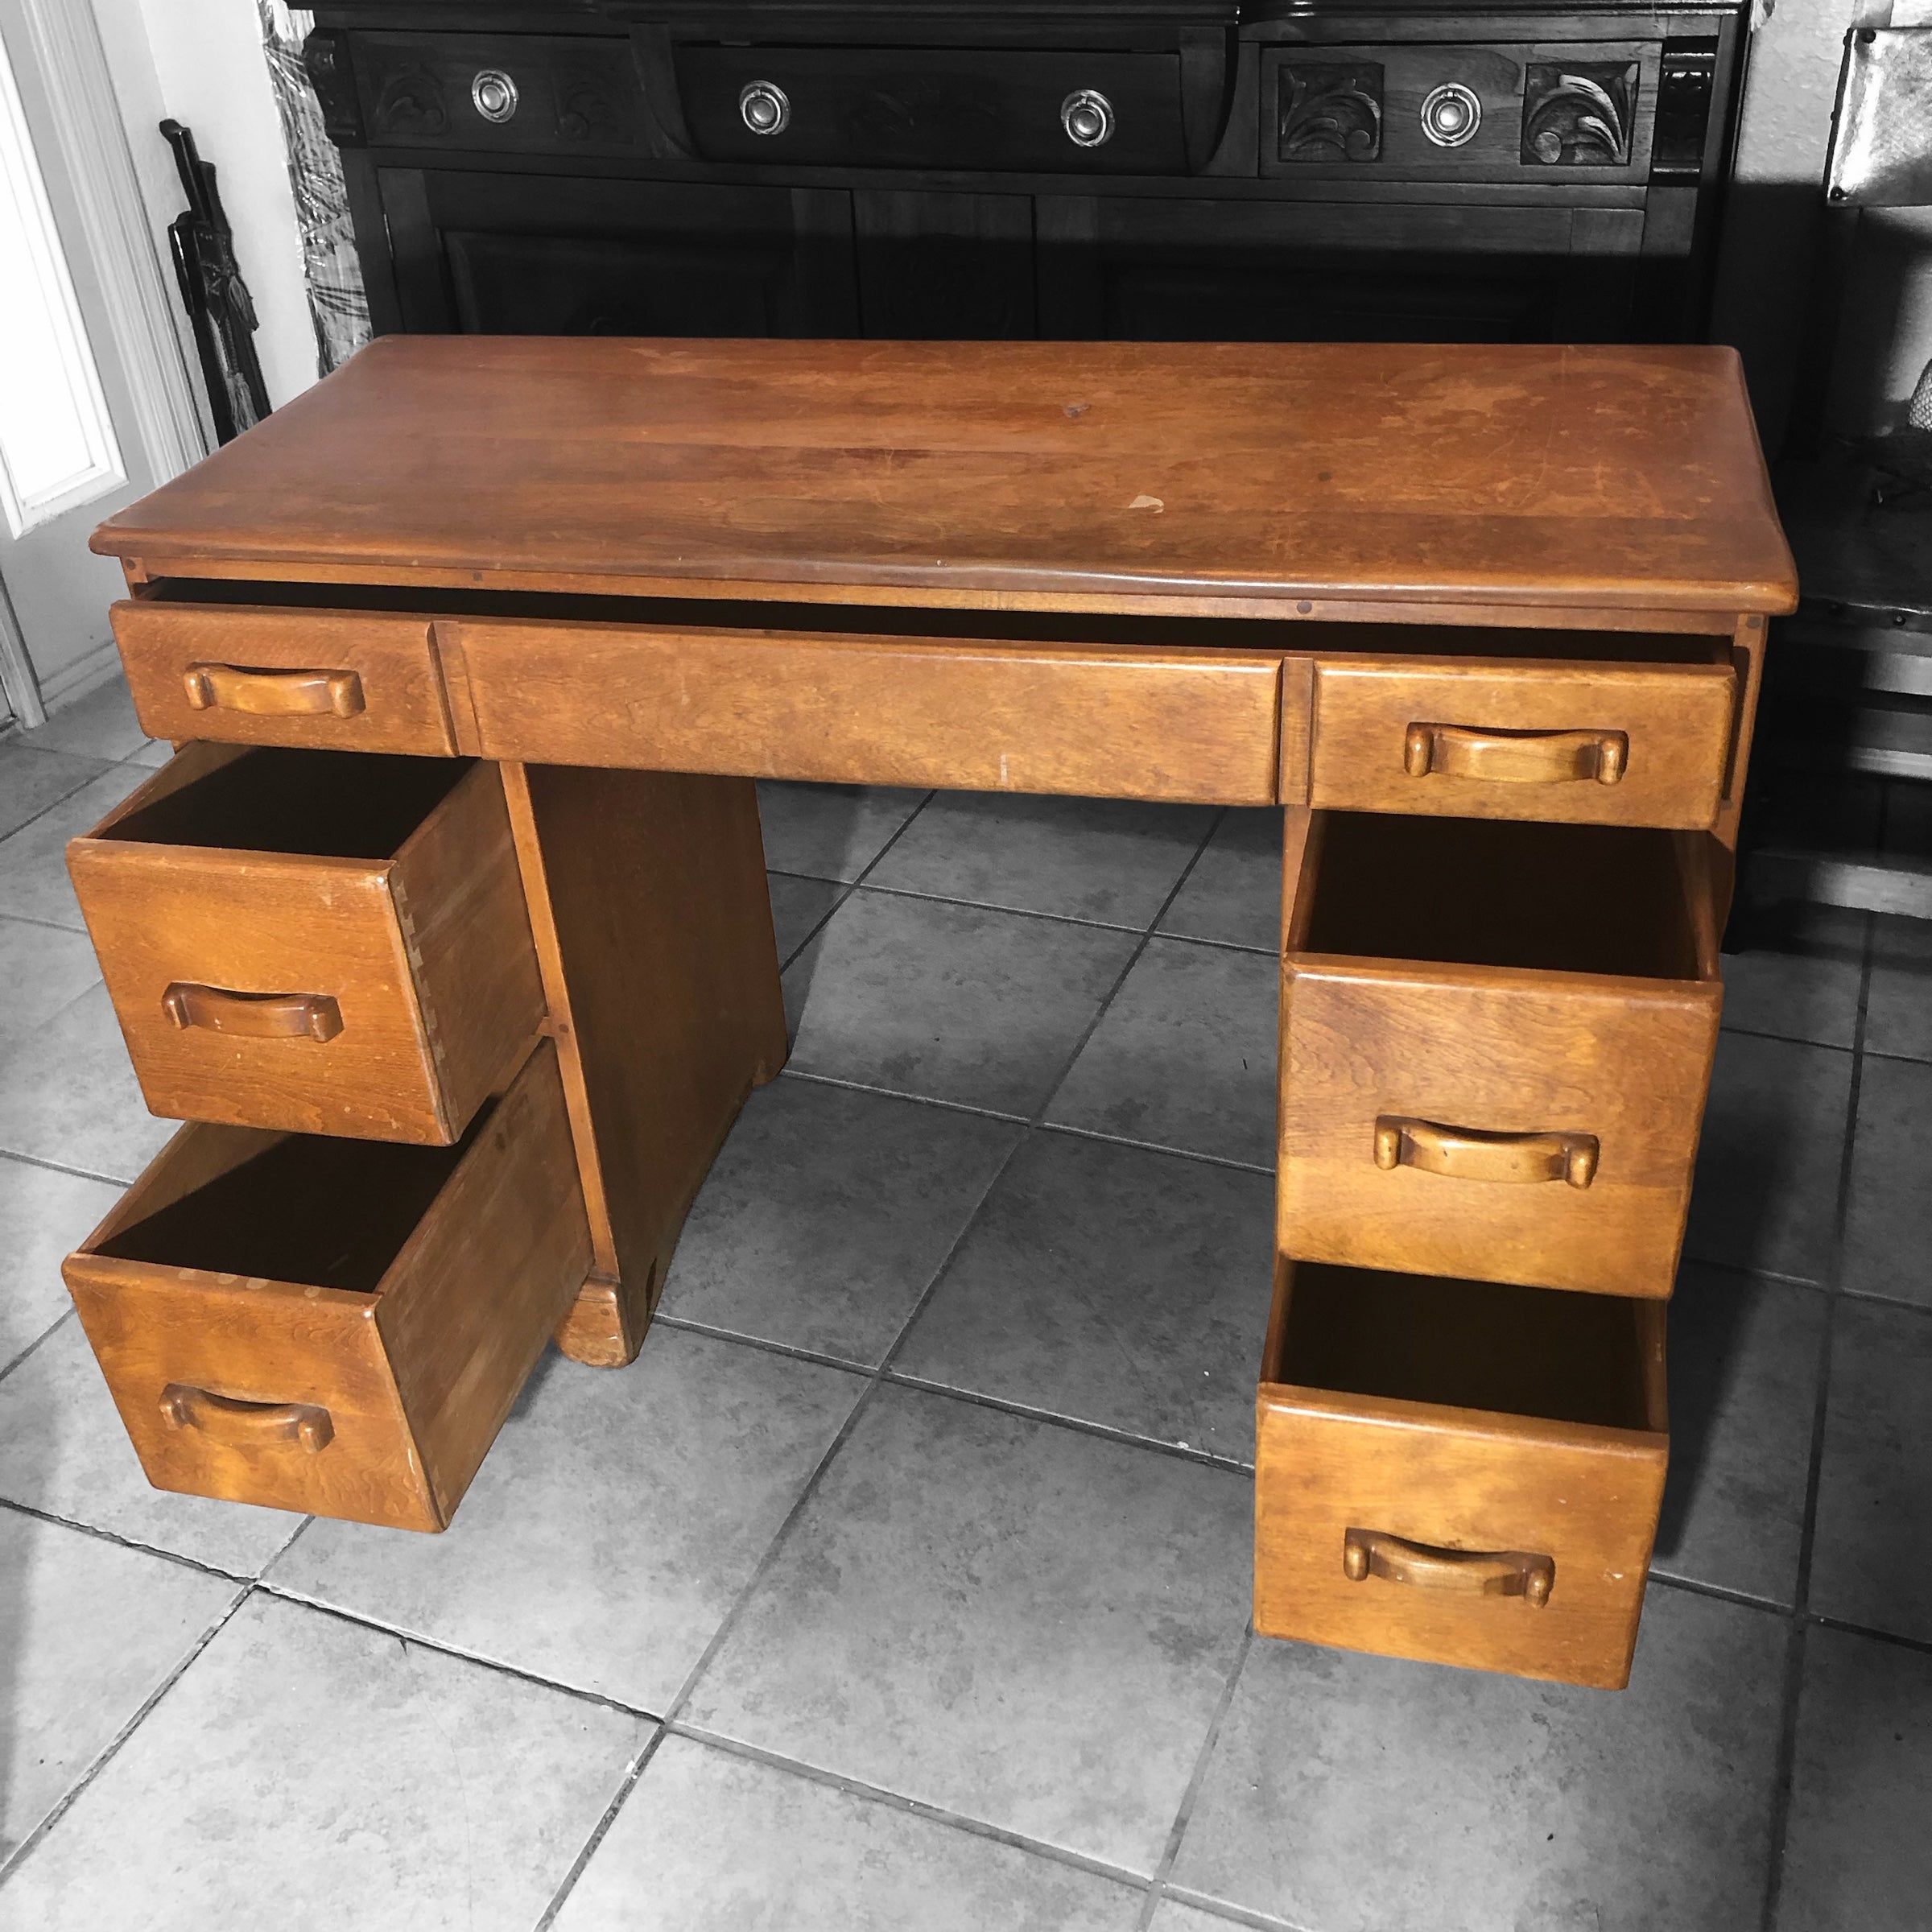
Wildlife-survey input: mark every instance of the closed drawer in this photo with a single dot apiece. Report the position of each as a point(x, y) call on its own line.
point(1590, 744)
point(982, 108)
point(336, 1327)
point(327, 943)
point(1495, 1042)
point(1458, 1472)
point(1182, 724)
point(344, 680)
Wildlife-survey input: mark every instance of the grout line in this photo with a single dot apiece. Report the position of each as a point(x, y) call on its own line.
point(18, 1855)
point(899, 1801)
point(1235, 1915)
point(667, 1319)
point(893, 1093)
point(29, 918)
point(1845, 1628)
point(634, 1770)
point(1897, 1059)
point(1790, 1039)
point(126, 1542)
point(1745, 1272)
point(1108, 1432)
point(1795, 1647)
point(1018, 912)
point(904, 826)
point(1184, 1813)
point(1744, 1600)
point(80, 1174)
point(1883, 1301)
point(1179, 1153)
point(8, 1367)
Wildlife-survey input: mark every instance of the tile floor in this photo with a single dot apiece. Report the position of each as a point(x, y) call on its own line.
point(903, 1581)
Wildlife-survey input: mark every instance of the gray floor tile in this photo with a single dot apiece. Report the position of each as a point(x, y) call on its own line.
point(1113, 1285)
point(1768, 1168)
point(69, 1095)
point(1856, 1850)
point(827, 1215)
point(101, 725)
point(1898, 1003)
point(1234, 893)
point(63, 1450)
point(42, 969)
point(1871, 1551)
point(34, 881)
point(153, 754)
point(88, 1631)
point(712, 1842)
point(1351, 1793)
point(305, 1772)
point(1743, 1358)
point(1889, 1213)
point(613, 1524)
point(798, 905)
point(950, 1001)
point(31, 780)
point(1795, 970)
point(44, 1216)
point(1185, 1056)
point(830, 831)
point(1006, 1618)
point(1171, 1915)
point(1113, 860)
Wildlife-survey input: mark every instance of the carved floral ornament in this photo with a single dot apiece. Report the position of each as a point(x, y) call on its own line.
point(1331, 110)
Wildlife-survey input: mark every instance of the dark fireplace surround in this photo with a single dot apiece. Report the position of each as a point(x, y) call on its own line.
point(1155, 170)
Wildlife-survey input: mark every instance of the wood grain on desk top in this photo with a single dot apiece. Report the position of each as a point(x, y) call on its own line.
point(1618, 477)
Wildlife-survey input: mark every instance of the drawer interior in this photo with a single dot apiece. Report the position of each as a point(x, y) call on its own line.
point(308, 1208)
point(330, 804)
point(1564, 1357)
point(1492, 892)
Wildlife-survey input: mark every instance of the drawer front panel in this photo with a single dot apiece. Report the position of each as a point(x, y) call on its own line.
point(401, 988)
point(377, 1406)
point(1621, 1066)
point(1573, 744)
point(1586, 1499)
point(1200, 726)
point(339, 680)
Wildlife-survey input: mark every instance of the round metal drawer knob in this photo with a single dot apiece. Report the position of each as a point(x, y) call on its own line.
point(763, 108)
point(494, 95)
point(1451, 114)
point(1088, 117)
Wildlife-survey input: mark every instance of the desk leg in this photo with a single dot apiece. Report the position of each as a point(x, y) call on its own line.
point(653, 925)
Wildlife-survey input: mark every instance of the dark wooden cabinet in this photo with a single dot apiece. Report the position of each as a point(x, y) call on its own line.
point(485, 253)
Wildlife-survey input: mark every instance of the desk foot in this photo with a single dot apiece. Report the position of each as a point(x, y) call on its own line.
point(652, 919)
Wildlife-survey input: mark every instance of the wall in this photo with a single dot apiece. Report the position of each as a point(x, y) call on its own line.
point(201, 62)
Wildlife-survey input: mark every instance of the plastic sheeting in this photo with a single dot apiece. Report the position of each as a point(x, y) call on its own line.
point(337, 305)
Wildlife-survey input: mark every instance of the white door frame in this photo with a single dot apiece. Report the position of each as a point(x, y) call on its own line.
point(63, 48)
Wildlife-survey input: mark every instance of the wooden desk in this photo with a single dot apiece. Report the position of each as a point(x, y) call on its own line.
point(463, 972)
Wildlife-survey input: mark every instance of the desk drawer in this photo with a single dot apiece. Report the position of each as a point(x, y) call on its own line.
point(1590, 744)
point(1198, 725)
point(343, 680)
point(327, 943)
point(1458, 1472)
point(334, 1326)
point(1495, 1042)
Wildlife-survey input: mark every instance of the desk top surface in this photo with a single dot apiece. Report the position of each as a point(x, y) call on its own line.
point(1073, 475)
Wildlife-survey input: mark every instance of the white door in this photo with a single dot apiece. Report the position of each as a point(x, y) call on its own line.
point(95, 409)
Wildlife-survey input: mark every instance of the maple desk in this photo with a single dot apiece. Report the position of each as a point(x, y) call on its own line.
point(462, 973)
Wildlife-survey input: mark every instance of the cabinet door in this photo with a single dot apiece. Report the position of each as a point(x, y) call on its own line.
point(1187, 270)
point(488, 253)
point(945, 267)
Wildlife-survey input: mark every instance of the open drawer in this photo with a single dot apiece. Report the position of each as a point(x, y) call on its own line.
point(1459, 1470)
point(325, 942)
point(333, 1326)
point(1496, 1042)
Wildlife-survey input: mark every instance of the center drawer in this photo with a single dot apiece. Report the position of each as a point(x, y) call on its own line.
point(1458, 1472)
point(332, 1326)
point(1496, 1042)
point(322, 942)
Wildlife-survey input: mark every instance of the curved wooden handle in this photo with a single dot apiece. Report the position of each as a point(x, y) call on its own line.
point(246, 1425)
point(1467, 1153)
point(1367, 1553)
point(255, 1016)
point(274, 694)
point(1514, 757)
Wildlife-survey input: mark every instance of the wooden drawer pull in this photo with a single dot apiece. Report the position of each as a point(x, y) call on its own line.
point(1514, 757)
point(278, 694)
point(1367, 1553)
point(1467, 1153)
point(256, 1016)
point(246, 1425)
